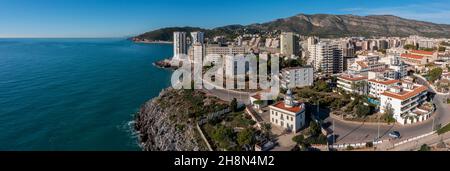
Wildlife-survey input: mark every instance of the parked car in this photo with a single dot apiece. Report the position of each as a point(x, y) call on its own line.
point(395, 134)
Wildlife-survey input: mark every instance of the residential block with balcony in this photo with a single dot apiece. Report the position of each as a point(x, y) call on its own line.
point(407, 103)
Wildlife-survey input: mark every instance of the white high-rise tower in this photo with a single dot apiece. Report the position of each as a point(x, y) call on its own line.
point(198, 38)
point(179, 45)
point(327, 57)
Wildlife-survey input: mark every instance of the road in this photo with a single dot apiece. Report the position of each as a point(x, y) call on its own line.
point(357, 133)
point(228, 95)
point(429, 140)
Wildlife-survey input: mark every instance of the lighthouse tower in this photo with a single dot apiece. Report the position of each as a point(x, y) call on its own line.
point(289, 100)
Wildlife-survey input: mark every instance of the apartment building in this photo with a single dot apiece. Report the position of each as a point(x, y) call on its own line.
point(180, 48)
point(296, 77)
point(327, 57)
point(289, 43)
point(215, 53)
point(380, 85)
point(407, 102)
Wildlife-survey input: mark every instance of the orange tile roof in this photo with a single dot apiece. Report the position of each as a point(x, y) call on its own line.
point(422, 52)
point(384, 82)
point(411, 56)
point(406, 94)
point(353, 78)
point(282, 106)
point(257, 96)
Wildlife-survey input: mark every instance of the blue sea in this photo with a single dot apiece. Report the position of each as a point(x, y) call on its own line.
point(75, 94)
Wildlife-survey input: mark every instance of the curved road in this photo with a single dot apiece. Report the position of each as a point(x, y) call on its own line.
point(357, 133)
point(227, 95)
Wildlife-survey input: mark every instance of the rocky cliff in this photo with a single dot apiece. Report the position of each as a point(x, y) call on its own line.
point(166, 123)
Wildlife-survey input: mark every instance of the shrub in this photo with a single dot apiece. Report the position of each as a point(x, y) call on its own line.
point(425, 147)
point(435, 74)
point(314, 129)
point(246, 137)
point(362, 110)
point(299, 139)
point(223, 136)
point(350, 148)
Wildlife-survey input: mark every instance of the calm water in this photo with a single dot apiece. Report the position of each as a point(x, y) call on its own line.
point(75, 94)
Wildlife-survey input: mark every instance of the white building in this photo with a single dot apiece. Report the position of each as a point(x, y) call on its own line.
point(327, 57)
point(407, 103)
point(225, 50)
point(216, 53)
point(296, 77)
point(366, 63)
point(288, 114)
point(427, 43)
point(197, 38)
point(395, 51)
point(398, 69)
point(179, 44)
point(258, 102)
point(353, 83)
point(378, 86)
point(312, 41)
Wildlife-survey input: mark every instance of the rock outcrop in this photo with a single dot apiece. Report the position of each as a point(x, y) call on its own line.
point(166, 122)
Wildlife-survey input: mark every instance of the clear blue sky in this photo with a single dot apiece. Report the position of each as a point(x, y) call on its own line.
point(117, 18)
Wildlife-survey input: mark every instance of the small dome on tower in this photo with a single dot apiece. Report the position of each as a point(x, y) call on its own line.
point(289, 99)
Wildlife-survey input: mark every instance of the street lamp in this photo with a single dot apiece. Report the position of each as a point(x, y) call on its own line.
point(378, 137)
point(432, 126)
point(334, 134)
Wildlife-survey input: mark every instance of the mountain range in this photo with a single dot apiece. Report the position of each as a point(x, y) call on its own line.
point(322, 25)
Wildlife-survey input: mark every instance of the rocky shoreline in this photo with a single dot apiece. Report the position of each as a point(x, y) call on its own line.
point(165, 64)
point(162, 126)
point(137, 40)
point(169, 122)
